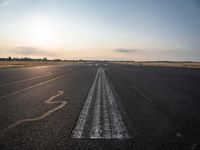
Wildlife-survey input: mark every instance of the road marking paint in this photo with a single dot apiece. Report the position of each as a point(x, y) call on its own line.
point(21, 81)
point(142, 93)
point(95, 131)
point(48, 101)
point(118, 128)
point(25, 89)
point(107, 122)
point(80, 124)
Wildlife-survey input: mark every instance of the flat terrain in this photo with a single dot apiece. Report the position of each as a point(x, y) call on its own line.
point(100, 106)
point(17, 64)
point(163, 64)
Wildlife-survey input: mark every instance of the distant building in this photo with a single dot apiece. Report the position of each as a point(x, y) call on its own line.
point(44, 59)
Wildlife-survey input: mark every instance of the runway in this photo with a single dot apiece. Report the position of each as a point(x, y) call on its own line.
point(106, 122)
point(99, 105)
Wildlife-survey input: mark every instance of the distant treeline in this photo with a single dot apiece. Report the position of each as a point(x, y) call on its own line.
point(34, 59)
point(45, 59)
point(89, 61)
point(22, 59)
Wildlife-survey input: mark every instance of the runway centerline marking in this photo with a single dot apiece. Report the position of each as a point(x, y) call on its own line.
point(78, 130)
point(96, 124)
point(46, 114)
point(106, 122)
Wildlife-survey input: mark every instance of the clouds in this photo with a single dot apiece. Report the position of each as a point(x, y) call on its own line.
point(4, 3)
point(32, 51)
point(126, 50)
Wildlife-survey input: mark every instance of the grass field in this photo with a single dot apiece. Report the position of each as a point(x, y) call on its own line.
point(14, 64)
point(7, 64)
point(163, 63)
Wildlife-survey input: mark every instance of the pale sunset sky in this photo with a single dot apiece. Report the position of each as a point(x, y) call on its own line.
point(101, 29)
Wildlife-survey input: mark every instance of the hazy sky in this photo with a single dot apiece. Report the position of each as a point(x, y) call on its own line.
point(101, 29)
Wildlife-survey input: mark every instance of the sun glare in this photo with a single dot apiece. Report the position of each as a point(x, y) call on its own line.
point(41, 31)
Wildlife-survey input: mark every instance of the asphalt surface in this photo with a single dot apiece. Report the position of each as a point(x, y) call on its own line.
point(127, 107)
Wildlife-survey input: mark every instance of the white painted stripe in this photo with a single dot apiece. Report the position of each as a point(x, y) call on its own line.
point(25, 89)
point(49, 101)
point(118, 128)
point(106, 121)
point(80, 124)
point(29, 79)
point(95, 131)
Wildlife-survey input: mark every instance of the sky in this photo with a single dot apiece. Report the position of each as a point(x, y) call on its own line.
point(101, 29)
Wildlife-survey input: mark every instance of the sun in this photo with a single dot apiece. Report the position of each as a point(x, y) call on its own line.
point(41, 31)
